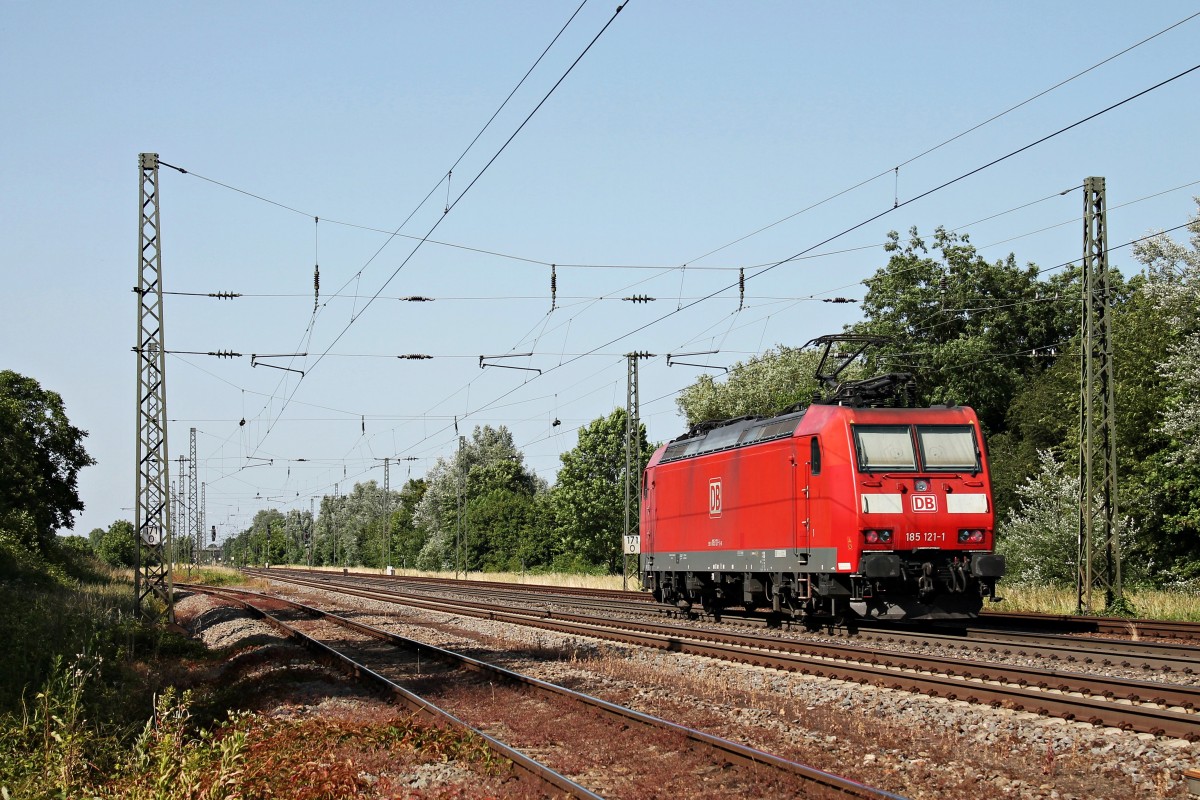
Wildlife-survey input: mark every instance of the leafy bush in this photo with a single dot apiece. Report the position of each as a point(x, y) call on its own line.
point(1040, 537)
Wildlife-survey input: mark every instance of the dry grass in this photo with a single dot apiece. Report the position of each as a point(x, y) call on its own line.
point(1147, 604)
point(567, 580)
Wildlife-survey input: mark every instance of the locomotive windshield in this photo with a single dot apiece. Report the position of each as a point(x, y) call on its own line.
point(887, 447)
point(891, 448)
point(949, 447)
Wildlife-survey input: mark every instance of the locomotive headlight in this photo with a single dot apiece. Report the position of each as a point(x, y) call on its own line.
point(970, 536)
point(921, 485)
point(885, 536)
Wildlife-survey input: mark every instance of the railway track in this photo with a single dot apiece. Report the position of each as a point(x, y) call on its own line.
point(543, 722)
point(989, 642)
point(1024, 624)
point(1142, 706)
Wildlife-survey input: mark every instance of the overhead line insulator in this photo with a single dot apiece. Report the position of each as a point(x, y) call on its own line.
point(639, 298)
point(838, 300)
point(416, 298)
point(224, 295)
point(414, 356)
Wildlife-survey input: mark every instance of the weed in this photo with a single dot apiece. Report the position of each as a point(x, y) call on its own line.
point(169, 762)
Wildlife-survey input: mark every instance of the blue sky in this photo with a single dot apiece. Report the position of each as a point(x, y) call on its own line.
point(687, 126)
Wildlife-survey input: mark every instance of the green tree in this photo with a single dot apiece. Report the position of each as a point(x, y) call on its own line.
point(589, 495)
point(407, 538)
point(484, 477)
point(75, 546)
point(539, 536)
point(1171, 495)
point(94, 537)
point(41, 454)
point(495, 519)
point(972, 332)
point(118, 546)
point(761, 386)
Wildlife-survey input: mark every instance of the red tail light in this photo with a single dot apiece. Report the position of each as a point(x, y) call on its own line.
point(877, 536)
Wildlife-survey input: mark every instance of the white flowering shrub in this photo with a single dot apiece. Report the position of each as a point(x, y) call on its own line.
point(1040, 537)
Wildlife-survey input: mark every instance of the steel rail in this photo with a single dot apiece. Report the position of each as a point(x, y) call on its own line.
point(539, 772)
point(1073, 697)
point(743, 753)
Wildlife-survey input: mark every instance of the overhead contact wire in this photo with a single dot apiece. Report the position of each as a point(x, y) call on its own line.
point(449, 208)
point(850, 229)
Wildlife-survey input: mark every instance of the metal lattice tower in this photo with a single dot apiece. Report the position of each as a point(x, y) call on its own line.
point(182, 526)
point(459, 548)
point(633, 462)
point(194, 531)
point(177, 502)
point(203, 526)
point(312, 520)
point(152, 512)
point(1099, 548)
point(387, 523)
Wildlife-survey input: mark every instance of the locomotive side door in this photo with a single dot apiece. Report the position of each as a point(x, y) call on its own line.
point(647, 516)
point(810, 467)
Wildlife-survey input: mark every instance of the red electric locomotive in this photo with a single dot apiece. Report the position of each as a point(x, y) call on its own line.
point(838, 509)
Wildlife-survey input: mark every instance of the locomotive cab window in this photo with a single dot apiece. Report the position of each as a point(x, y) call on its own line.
point(885, 447)
point(948, 447)
point(815, 456)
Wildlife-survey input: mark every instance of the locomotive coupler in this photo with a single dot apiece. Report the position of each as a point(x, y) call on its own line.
point(958, 577)
point(925, 581)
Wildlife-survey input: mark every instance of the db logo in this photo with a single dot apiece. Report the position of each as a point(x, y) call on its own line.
point(924, 502)
point(714, 497)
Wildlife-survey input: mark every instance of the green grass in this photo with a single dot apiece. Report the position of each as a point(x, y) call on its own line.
point(208, 576)
point(79, 672)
